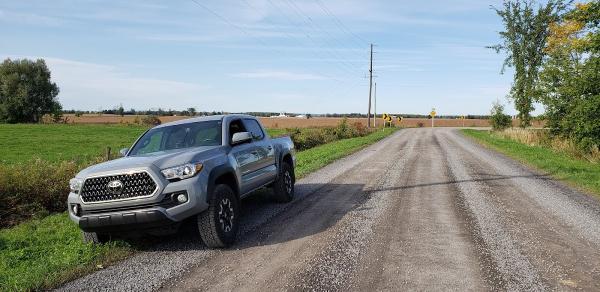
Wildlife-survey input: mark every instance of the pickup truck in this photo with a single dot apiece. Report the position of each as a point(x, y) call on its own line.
point(196, 170)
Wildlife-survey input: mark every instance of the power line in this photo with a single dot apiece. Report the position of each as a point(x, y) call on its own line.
point(309, 22)
point(370, 88)
point(340, 23)
point(225, 20)
point(289, 36)
point(342, 65)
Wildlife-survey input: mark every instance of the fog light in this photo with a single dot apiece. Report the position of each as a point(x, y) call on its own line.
point(182, 198)
point(75, 208)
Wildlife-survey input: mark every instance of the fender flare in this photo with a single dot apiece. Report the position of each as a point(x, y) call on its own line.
point(215, 174)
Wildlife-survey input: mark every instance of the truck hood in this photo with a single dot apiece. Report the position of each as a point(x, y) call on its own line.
point(161, 160)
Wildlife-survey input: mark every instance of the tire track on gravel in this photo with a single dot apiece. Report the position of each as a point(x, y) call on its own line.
point(515, 271)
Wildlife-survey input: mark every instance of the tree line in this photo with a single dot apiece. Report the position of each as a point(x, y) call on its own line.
point(554, 49)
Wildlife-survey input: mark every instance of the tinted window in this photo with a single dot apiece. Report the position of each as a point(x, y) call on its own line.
point(254, 128)
point(179, 136)
point(235, 127)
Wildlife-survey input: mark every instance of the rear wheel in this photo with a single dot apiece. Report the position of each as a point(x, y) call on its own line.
point(95, 238)
point(283, 188)
point(218, 225)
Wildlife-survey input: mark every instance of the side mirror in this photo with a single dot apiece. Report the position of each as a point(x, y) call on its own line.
point(241, 137)
point(123, 152)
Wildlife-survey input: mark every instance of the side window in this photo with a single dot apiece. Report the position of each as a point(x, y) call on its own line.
point(254, 128)
point(236, 127)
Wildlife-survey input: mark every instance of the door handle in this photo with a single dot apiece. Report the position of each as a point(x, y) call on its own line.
point(270, 148)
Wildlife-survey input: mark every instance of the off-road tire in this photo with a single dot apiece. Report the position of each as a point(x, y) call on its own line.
point(95, 238)
point(283, 187)
point(218, 226)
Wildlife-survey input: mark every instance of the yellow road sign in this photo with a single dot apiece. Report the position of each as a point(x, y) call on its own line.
point(399, 119)
point(386, 117)
point(432, 113)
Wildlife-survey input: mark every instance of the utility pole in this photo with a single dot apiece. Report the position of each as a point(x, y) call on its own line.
point(370, 88)
point(375, 106)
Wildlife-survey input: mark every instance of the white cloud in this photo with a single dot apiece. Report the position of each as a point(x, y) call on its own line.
point(91, 86)
point(278, 75)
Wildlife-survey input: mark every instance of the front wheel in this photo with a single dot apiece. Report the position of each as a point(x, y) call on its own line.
point(283, 188)
point(218, 225)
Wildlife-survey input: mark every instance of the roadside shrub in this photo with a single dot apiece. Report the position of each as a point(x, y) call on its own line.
point(498, 118)
point(583, 124)
point(151, 120)
point(361, 129)
point(307, 138)
point(35, 188)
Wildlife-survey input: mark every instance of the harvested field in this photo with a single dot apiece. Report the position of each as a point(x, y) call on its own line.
point(280, 123)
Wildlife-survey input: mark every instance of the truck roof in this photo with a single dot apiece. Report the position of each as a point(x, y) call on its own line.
point(203, 119)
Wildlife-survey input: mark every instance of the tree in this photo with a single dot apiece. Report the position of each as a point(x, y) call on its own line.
point(498, 118)
point(120, 110)
point(523, 40)
point(26, 91)
point(570, 79)
point(191, 111)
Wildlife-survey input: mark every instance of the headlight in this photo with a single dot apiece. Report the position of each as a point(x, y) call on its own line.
point(75, 185)
point(182, 171)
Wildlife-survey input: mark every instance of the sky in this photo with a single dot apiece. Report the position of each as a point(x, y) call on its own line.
point(300, 56)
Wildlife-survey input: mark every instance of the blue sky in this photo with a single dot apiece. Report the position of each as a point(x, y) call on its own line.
point(263, 55)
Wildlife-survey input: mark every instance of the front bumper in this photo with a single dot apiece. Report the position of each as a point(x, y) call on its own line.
point(142, 213)
point(125, 221)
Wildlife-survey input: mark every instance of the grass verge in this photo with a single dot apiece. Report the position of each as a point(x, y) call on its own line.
point(44, 253)
point(317, 157)
point(579, 173)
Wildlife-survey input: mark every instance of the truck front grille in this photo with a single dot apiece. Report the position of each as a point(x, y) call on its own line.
point(117, 187)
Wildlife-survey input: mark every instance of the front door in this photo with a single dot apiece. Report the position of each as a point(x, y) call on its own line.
point(247, 157)
point(266, 166)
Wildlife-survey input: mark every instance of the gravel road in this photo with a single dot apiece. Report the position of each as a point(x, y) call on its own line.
point(425, 209)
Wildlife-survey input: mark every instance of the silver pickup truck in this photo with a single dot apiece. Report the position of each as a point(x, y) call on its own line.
point(196, 169)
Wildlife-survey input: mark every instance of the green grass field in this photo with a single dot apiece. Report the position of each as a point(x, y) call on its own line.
point(23, 142)
point(44, 253)
point(576, 172)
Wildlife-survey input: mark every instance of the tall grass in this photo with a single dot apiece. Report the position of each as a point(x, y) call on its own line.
point(542, 137)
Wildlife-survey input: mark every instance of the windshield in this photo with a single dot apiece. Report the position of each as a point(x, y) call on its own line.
point(178, 137)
